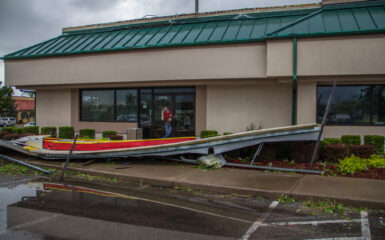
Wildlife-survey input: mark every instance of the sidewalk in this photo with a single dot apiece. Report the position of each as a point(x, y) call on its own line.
point(353, 191)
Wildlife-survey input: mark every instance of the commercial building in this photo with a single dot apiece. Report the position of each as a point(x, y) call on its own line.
point(225, 70)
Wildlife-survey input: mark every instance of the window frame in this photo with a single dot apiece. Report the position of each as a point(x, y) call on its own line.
point(115, 106)
point(371, 124)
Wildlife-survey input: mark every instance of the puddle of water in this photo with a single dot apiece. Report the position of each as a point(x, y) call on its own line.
point(10, 195)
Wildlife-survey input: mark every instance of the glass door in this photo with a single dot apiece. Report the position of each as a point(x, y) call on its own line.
point(180, 101)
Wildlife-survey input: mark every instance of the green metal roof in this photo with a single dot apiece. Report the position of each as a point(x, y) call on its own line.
point(354, 18)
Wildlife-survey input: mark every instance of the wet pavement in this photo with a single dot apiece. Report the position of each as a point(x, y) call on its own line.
point(36, 209)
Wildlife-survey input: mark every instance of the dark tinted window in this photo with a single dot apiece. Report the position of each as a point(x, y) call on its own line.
point(352, 105)
point(98, 105)
point(126, 105)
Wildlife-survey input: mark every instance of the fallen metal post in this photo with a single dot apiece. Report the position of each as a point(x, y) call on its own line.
point(68, 158)
point(9, 159)
point(259, 149)
point(324, 120)
point(274, 168)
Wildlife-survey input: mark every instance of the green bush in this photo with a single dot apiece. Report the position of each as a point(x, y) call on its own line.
point(18, 131)
point(353, 164)
point(31, 129)
point(49, 130)
point(227, 133)
point(376, 141)
point(376, 162)
point(332, 141)
point(106, 134)
point(87, 133)
point(66, 132)
point(209, 133)
point(351, 140)
point(9, 130)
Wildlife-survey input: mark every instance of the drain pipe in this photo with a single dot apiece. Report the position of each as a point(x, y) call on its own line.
point(294, 88)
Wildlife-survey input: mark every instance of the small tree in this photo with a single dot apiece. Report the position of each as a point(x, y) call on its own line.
point(7, 107)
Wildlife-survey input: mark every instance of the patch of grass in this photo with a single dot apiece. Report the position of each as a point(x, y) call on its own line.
point(12, 168)
point(111, 164)
point(283, 198)
point(326, 206)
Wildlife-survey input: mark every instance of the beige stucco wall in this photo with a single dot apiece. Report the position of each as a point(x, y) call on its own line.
point(206, 62)
point(233, 108)
point(279, 58)
point(53, 107)
point(306, 102)
point(349, 55)
point(200, 109)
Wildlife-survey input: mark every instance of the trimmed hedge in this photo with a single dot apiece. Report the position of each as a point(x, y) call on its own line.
point(87, 133)
point(376, 141)
point(8, 130)
point(31, 129)
point(302, 151)
point(351, 140)
point(49, 130)
point(66, 132)
point(106, 134)
point(209, 133)
point(227, 133)
point(334, 152)
point(363, 151)
point(332, 141)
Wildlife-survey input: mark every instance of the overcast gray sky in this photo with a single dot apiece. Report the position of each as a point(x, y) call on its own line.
point(26, 22)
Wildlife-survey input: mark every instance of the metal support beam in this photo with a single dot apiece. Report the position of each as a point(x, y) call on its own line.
point(294, 88)
point(324, 121)
point(9, 159)
point(259, 149)
point(68, 158)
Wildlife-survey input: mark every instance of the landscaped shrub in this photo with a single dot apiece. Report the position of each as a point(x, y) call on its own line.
point(8, 130)
point(115, 137)
point(351, 140)
point(362, 151)
point(334, 152)
point(227, 133)
point(31, 129)
point(376, 141)
point(66, 132)
point(209, 133)
point(87, 133)
point(352, 164)
point(268, 153)
point(302, 151)
point(332, 141)
point(49, 130)
point(106, 134)
point(18, 131)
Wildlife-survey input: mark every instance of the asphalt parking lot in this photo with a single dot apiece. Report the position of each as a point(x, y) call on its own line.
point(49, 210)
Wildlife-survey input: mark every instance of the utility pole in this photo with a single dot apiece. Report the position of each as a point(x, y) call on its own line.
point(196, 6)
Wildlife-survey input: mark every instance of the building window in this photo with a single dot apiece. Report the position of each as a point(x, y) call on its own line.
point(126, 105)
point(353, 105)
point(98, 105)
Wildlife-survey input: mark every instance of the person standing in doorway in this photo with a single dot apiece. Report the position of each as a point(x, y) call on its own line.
point(167, 118)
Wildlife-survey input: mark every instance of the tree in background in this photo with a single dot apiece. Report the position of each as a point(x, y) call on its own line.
point(7, 107)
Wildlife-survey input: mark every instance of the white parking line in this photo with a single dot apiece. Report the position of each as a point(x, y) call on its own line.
point(315, 223)
point(365, 226)
point(257, 224)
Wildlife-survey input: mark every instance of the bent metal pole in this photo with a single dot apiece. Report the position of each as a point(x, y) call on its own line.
point(324, 120)
point(68, 158)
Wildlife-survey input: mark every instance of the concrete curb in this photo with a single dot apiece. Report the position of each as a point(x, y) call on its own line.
point(219, 189)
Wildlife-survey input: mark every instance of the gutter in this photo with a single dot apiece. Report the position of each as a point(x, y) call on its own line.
point(294, 87)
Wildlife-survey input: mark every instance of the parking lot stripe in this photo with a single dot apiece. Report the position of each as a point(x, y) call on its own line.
point(310, 222)
point(365, 226)
point(259, 223)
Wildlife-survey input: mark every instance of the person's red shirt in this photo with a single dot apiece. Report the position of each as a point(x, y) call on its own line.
point(167, 115)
